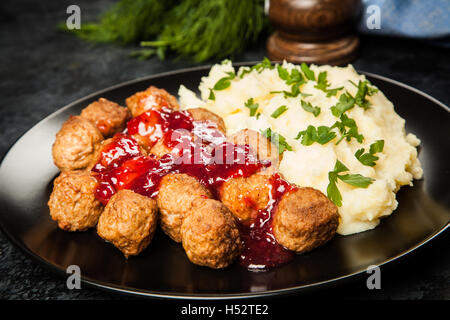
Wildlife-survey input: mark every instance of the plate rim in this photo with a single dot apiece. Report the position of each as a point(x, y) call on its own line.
point(117, 289)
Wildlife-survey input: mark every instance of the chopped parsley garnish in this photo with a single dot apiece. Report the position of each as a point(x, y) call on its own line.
point(309, 74)
point(212, 96)
point(333, 92)
point(310, 108)
point(369, 158)
point(322, 84)
point(264, 64)
point(278, 112)
point(277, 139)
point(348, 129)
point(322, 135)
point(355, 180)
point(222, 84)
point(252, 106)
point(363, 90)
point(346, 102)
point(294, 79)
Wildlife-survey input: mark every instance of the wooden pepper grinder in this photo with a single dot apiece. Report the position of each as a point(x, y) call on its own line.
point(314, 31)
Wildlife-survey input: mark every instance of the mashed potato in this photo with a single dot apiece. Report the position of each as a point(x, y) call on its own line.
point(309, 165)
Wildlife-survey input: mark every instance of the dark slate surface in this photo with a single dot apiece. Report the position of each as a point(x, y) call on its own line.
point(43, 69)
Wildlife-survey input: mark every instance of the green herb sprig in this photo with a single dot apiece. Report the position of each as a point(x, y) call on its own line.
point(277, 139)
point(355, 180)
point(278, 112)
point(264, 64)
point(364, 89)
point(369, 158)
point(348, 129)
point(252, 106)
point(321, 135)
point(194, 28)
point(307, 106)
point(222, 84)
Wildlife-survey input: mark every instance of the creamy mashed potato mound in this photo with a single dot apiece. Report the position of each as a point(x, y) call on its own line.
point(361, 208)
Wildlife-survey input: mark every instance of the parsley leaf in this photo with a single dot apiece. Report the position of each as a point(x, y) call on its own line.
point(277, 139)
point(310, 108)
point(363, 90)
point(309, 74)
point(212, 96)
point(355, 180)
point(224, 82)
point(322, 82)
point(333, 92)
point(377, 146)
point(294, 79)
point(278, 112)
point(283, 73)
point(351, 132)
point(321, 135)
point(252, 106)
point(264, 64)
point(368, 159)
point(346, 102)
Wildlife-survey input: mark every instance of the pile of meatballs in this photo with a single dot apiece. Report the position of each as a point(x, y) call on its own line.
point(206, 225)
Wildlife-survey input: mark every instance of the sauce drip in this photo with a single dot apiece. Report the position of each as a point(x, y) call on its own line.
point(261, 251)
point(201, 151)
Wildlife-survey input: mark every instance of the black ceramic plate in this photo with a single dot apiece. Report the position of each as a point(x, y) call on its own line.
point(163, 269)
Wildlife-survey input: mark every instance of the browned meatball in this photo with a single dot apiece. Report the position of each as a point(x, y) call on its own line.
point(75, 144)
point(263, 147)
point(177, 195)
point(152, 98)
point(98, 152)
point(210, 235)
point(72, 203)
point(128, 222)
point(204, 115)
point(304, 220)
point(245, 196)
point(108, 116)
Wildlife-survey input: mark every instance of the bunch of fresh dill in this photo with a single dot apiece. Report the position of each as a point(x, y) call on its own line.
point(201, 29)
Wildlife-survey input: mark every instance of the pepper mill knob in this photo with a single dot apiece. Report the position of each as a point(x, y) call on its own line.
point(314, 31)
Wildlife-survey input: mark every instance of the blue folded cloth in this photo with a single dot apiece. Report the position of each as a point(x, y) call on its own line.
point(425, 19)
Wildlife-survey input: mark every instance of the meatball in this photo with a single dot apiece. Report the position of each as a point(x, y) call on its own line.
point(72, 203)
point(108, 116)
point(210, 235)
point(304, 220)
point(152, 98)
point(128, 222)
point(204, 115)
point(98, 153)
point(176, 198)
point(245, 196)
point(263, 147)
point(75, 144)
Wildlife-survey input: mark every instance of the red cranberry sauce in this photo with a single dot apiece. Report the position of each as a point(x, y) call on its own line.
point(261, 251)
point(154, 124)
point(202, 152)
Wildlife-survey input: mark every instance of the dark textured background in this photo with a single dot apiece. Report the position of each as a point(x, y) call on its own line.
point(43, 69)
